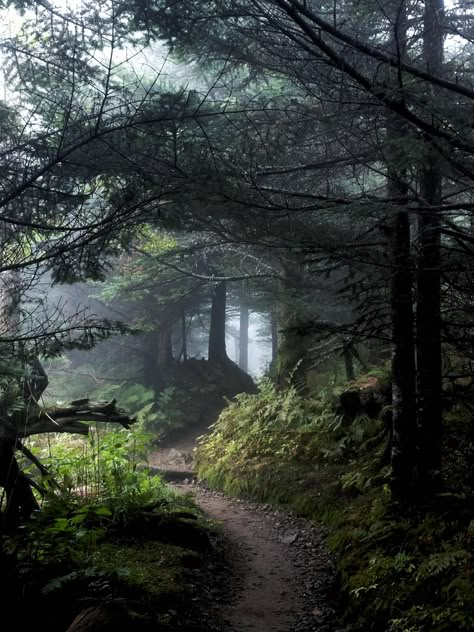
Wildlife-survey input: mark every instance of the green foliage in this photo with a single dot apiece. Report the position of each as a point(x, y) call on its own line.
point(104, 467)
point(135, 398)
point(164, 414)
point(281, 426)
point(156, 243)
point(413, 573)
point(64, 532)
point(156, 414)
point(138, 400)
point(397, 573)
point(111, 533)
point(250, 427)
point(100, 488)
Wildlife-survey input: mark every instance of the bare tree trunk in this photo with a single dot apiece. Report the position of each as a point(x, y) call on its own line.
point(294, 360)
point(244, 335)
point(274, 333)
point(217, 347)
point(165, 348)
point(428, 315)
point(349, 363)
point(184, 336)
point(404, 441)
point(403, 458)
point(157, 357)
point(164, 355)
point(149, 361)
point(105, 617)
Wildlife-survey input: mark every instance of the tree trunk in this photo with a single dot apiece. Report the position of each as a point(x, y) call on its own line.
point(349, 363)
point(149, 361)
point(294, 360)
point(184, 335)
point(428, 314)
point(428, 342)
point(403, 457)
point(20, 499)
point(164, 354)
point(106, 618)
point(274, 333)
point(244, 335)
point(217, 348)
point(157, 357)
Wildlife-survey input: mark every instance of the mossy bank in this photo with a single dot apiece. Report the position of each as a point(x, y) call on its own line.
point(398, 571)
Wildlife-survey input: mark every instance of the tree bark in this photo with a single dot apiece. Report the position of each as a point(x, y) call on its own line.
point(106, 618)
point(404, 475)
point(244, 335)
point(20, 499)
point(164, 355)
point(184, 336)
point(157, 356)
point(349, 363)
point(274, 334)
point(404, 441)
point(217, 347)
point(428, 313)
point(294, 360)
point(67, 418)
point(149, 361)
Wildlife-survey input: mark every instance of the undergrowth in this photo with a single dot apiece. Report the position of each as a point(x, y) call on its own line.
point(107, 533)
point(396, 573)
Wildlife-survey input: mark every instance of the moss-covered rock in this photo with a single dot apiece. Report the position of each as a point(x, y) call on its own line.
point(199, 390)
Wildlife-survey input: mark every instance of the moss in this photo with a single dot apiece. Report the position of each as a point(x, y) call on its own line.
point(153, 567)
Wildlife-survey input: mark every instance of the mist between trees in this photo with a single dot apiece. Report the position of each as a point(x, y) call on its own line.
point(311, 162)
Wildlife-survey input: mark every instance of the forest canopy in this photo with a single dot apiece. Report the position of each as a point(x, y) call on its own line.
point(310, 161)
point(187, 184)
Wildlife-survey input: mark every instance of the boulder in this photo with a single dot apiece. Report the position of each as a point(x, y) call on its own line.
point(202, 387)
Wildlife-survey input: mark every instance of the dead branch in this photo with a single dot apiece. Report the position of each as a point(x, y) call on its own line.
point(72, 418)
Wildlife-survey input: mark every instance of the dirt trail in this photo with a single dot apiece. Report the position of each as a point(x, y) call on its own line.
point(281, 569)
point(277, 588)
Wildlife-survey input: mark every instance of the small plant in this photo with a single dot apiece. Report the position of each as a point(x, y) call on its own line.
point(104, 467)
point(165, 413)
point(64, 532)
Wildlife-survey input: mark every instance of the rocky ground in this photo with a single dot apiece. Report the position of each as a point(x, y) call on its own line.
point(276, 574)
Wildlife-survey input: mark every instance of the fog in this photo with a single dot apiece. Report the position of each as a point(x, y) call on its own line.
point(259, 348)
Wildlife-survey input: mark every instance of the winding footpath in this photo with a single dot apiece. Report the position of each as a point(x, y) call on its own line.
point(281, 571)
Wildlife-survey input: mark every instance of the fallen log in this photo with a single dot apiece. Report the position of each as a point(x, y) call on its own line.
point(71, 418)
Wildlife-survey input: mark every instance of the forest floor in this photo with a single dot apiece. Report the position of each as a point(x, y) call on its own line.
point(278, 574)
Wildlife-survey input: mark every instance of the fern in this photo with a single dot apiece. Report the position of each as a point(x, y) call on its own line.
point(439, 563)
